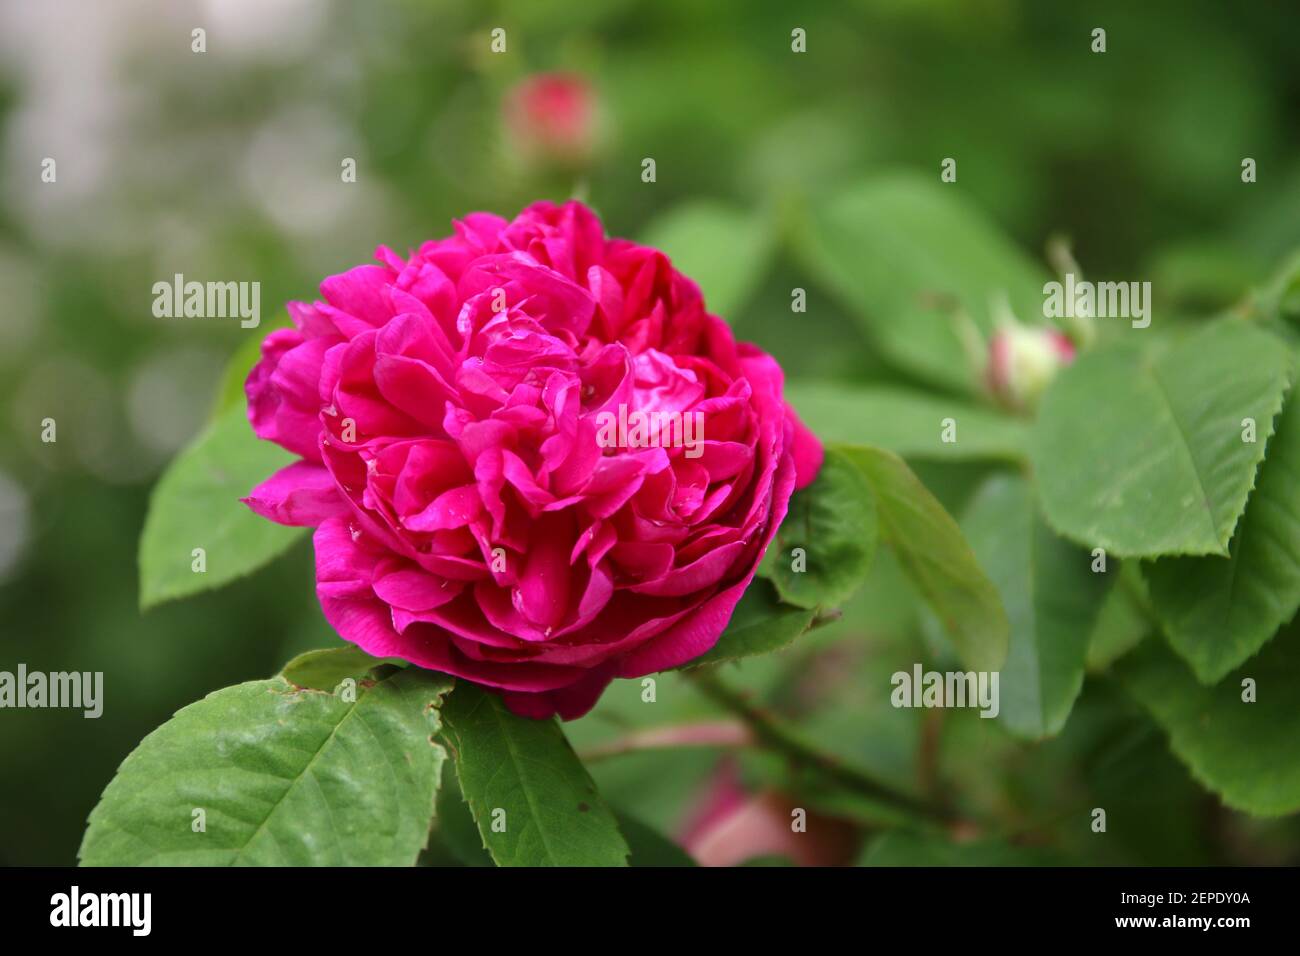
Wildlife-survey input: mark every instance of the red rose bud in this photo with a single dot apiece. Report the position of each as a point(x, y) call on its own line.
point(552, 118)
point(1023, 360)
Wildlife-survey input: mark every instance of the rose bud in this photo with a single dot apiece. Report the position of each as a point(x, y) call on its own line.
point(1023, 360)
point(551, 118)
point(446, 409)
point(729, 825)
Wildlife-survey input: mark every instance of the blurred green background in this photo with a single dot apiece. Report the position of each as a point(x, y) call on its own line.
point(225, 165)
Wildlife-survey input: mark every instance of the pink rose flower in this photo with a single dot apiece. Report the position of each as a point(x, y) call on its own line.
point(446, 409)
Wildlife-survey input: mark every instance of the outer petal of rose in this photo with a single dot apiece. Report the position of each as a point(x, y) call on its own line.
point(687, 639)
point(302, 495)
point(698, 632)
point(569, 703)
point(297, 375)
point(807, 450)
point(361, 292)
point(273, 415)
point(342, 563)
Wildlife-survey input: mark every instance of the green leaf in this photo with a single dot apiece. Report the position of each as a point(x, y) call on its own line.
point(760, 624)
point(456, 828)
point(1144, 457)
point(906, 254)
point(1279, 299)
point(196, 505)
point(650, 847)
point(833, 521)
point(1217, 612)
point(930, 547)
point(722, 248)
point(327, 668)
point(284, 777)
point(902, 848)
point(1124, 621)
point(533, 801)
point(906, 422)
point(1051, 597)
point(1244, 752)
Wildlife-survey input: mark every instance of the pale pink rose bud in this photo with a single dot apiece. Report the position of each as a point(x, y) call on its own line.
point(1023, 360)
point(729, 825)
point(552, 118)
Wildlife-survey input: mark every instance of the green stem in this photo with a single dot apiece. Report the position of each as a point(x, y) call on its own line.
point(716, 733)
point(769, 731)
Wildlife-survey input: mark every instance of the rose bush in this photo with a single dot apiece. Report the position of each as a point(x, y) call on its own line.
point(445, 409)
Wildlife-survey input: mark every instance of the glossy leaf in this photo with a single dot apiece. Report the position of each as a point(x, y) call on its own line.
point(282, 776)
point(932, 550)
point(196, 505)
point(824, 547)
point(533, 801)
point(1244, 752)
point(1217, 612)
point(1144, 456)
point(1051, 596)
point(760, 624)
point(910, 256)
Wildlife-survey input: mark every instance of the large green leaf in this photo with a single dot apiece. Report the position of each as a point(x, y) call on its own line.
point(722, 248)
point(1144, 456)
point(196, 505)
point(907, 254)
point(1051, 597)
point(1217, 612)
point(906, 422)
point(1247, 753)
point(533, 801)
point(1125, 618)
point(760, 624)
point(930, 547)
point(283, 775)
point(833, 523)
